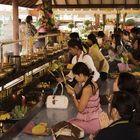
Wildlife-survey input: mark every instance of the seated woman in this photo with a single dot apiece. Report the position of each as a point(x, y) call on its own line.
point(99, 60)
point(126, 82)
point(134, 54)
point(76, 49)
point(87, 101)
point(125, 113)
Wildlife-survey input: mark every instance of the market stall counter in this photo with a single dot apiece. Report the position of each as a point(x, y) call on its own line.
point(44, 115)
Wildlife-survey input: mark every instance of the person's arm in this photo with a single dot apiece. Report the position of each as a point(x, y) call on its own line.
point(101, 65)
point(99, 56)
point(131, 58)
point(115, 85)
point(89, 62)
point(82, 103)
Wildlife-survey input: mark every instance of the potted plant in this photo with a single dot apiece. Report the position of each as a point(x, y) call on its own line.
point(71, 25)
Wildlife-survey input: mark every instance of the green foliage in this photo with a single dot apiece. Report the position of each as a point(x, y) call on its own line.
point(71, 25)
point(1, 22)
point(130, 22)
point(87, 22)
point(57, 66)
point(19, 112)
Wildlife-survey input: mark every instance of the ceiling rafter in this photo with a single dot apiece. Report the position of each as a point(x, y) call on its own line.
point(29, 4)
point(98, 6)
point(5, 2)
point(55, 2)
point(89, 1)
point(22, 2)
point(66, 1)
point(125, 1)
point(101, 1)
point(77, 1)
point(113, 1)
point(32, 4)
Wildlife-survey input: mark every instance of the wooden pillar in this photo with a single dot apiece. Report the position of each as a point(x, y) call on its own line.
point(104, 21)
point(97, 20)
point(124, 16)
point(15, 26)
point(118, 15)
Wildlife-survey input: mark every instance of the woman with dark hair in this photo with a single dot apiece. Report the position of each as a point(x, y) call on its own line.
point(99, 60)
point(30, 33)
point(87, 101)
point(74, 35)
point(125, 113)
point(116, 41)
point(134, 54)
point(126, 82)
point(76, 49)
point(31, 30)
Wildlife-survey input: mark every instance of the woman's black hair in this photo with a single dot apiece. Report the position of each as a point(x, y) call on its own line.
point(117, 38)
point(127, 106)
point(75, 43)
point(74, 35)
point(127, 82)
point(82, 68)
point(92, 37)
point(101, 34)
point(29, 19)
point(118, 31)
point(126, 32)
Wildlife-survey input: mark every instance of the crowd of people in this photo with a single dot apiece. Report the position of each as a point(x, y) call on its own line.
point(93, 61)
point(28, 31)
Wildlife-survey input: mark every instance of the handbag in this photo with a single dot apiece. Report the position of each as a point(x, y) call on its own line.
point(67, 131)
point(57, 101)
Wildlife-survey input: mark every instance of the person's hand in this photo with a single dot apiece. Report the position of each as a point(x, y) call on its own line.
point(70, 90)
point(115, 85)
point(59, 79)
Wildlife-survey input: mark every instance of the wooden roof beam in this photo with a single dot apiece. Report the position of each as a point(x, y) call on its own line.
point(66, 1)
point(101, 1)
point(125, 2)
point(28, 4)
point(55, 2)
point(22, 2)
point(5, 2)
point(98, 6)
point(77, 1)
point(113, 1)
point(89, 1)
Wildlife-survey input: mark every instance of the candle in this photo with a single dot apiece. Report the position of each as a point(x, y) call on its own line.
point(23, 100)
